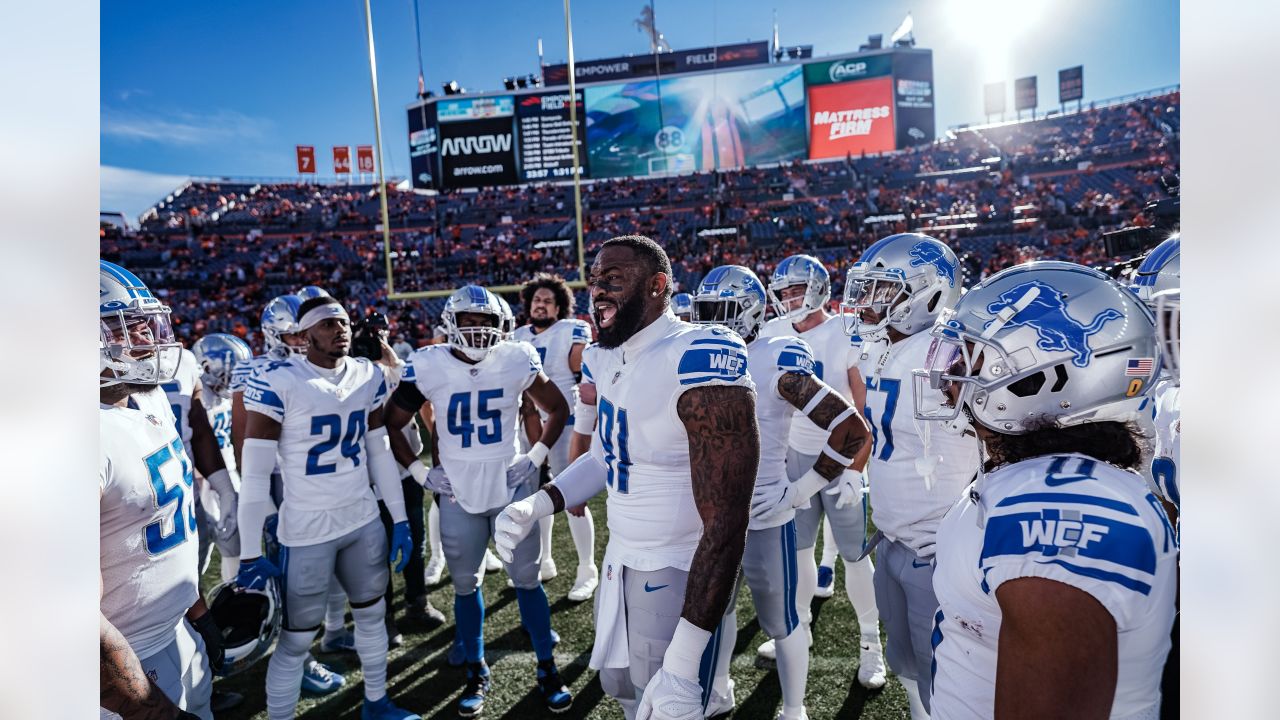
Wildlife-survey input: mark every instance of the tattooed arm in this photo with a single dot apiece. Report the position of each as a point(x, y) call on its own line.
point(724, 455)
point(848, 436)
point(124, 687)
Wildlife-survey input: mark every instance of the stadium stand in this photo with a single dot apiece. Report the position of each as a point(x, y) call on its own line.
point(999, 194)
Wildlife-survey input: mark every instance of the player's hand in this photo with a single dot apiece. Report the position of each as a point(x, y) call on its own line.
point(438, 481)
point(770, 500)
point(212, 637)
point(577, 510)
point(520, 471)
point(670, 697)
point(254, 573)
point(806, 487)
point(847, 488)
point(587, 393)
point(401, 546)
point(516, 521)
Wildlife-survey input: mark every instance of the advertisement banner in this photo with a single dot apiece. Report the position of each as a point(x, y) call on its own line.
point(1070, 84)
point(545, 136)
point(306, 159)
point(851, 118)
point(993, 97)
point(477, 153)
point(1024, 94)
point(703, 122)
point(641, 66)
point(424, 147)
point(364, 158)
point(849, 69)
point(475, 108)
point(913, 97)
point(341, 160)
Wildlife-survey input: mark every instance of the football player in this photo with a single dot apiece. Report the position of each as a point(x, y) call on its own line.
point(322, 414)
point(682, 306)
point(678, 450)
point(783, 369)
point(799, 291)
point(892, 296)
point(1056, 568)
point(559, 340)
point(153, 661)
point(475, 384)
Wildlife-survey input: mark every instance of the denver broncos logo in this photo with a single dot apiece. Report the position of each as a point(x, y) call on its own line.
point(1047, 313)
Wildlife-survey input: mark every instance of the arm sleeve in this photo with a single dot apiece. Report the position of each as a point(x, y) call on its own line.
point(581, 481)
point(385, 473)
point(408, 397)
point(584, 418)
point(259, 459)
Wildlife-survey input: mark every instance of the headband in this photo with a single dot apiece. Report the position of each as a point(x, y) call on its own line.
point(320, 313)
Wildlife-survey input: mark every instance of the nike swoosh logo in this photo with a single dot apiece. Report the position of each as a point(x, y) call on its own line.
point(647, 587)
point(1056, 480)
point(915, 564)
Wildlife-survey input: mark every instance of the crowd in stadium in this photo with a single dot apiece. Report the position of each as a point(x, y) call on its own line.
point(1000, 195)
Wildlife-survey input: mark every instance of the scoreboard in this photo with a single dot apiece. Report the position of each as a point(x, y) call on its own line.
point(544, 132)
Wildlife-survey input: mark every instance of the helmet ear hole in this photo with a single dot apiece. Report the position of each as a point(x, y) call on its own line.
point(933, 301)
point(1029, 385)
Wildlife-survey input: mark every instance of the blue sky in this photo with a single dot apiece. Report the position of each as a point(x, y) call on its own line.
point(229, 88)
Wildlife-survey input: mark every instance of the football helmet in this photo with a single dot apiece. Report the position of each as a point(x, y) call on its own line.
point(249, 620)
point(508, 324)
point(1041, 341)
point(474, 342)
point(731, 295)
point(312, 291)
point(682, 306)
point(217, 355)
point(1167, 305)
point(908, 279)
point(280, 318)
point(804, 270)
point(135, 334)
point(1159, 270)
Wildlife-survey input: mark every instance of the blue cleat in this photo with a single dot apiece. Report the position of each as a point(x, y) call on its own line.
point(472, 701)
point(553, 690)
point(318, 679)
point(826, 582)
point(384, 709)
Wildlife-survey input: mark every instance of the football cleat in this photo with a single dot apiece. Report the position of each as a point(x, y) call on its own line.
point(394, 638)
point(584, 586)
point(553, 690)
point(435, 570)
point(547, 570)
point(767, 650)
point(384, 709)
point(318, 679)
point(719, 704)
point(826, 582)
point(472, 701)
point(491, 561)
point(421, 610)
point(343, 641)
point(871, 665)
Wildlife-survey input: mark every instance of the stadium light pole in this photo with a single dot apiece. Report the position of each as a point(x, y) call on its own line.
point(377, 136)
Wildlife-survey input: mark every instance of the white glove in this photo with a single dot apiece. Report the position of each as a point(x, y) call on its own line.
point(674, 692)
point(525, 467)
point(847, 488)
point(228, 523)
point(925, 546)
point(516, 521)
point(434, 480)
point(806, 487)
point(771, 500)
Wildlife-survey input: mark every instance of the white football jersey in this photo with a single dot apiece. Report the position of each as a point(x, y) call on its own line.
point(911, 488)
point(554, 345)
point(147, 529)
point(1068, 518)
point(653, 522)
point(322, 451)
point(1165, 465)
point(477, 411)
point(241, 372)
point(834, 353)
point(768, 359)
point(179, 390)
point(218, 409)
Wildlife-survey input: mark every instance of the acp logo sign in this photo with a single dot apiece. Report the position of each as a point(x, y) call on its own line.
point(846, 70)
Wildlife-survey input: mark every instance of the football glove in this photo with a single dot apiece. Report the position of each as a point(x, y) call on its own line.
point(212, 636)
point(254, 573)
point(770, 500)
point(516, 521)
point(847, 488)
point(401, 545)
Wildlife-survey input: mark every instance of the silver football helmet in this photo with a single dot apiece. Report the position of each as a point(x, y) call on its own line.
point(1042, 341)
point(312, 291)
point(135, 335)
point(508, 325)
point(804, 270)
point(907, 279)
point(217, 355)
point(1159, 271)
point(475, 342)
point(249, 620)
point(280, 318)
point(682, 306)
point(1168, 310)
point(731, 295)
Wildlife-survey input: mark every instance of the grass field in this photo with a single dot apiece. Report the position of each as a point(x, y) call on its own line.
point(419, 679)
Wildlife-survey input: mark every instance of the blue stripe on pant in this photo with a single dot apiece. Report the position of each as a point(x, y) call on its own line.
point(790, 571)
point(707, 668)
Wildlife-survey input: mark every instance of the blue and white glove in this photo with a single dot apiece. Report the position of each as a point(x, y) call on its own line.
point(524, 468)
point(848, 488)
point(254, 573)
point(434, 480)
point(401, 545)
point(674, 692)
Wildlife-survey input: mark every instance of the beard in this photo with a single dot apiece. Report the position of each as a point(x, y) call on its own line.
point(626, 322)
point(542, 323)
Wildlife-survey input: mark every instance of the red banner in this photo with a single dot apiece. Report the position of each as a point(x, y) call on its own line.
point(852, 117)
point(341, 160)
point(306, 159)
point(364, 158)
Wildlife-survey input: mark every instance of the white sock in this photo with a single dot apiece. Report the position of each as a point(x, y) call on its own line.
point(806, 583)
point(583, 531)
point(433, 531)
point(793, 670)
point(229, 568)
point(335, 611)
point(544, 537)
point(862, 594)
point(371, 646)
point(913, 699)
point(829, 547)
point(284, 673)
point(728, 638)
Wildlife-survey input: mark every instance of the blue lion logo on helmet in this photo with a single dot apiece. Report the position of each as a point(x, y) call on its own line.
point(1047, 313)
point(925, 253)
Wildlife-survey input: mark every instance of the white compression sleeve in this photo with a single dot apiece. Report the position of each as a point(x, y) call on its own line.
point(385, 472)
point(581, 481)
point(258, 458)
point(584, 418)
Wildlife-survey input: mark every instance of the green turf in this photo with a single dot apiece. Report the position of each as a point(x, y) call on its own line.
point(420, 680)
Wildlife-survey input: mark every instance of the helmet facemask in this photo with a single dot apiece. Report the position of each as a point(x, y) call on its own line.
point(740, 314)
point(883, 292)
point(137, 346)
point(474, 341)
point(1167, 306)
point(817, 289)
